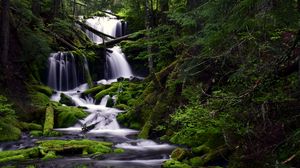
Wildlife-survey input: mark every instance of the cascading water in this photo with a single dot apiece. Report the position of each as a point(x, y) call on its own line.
point(117, 64)
point(62, 73)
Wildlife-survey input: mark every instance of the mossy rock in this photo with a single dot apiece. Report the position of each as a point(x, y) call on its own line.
point(196, 161)
point(68, 116)
point(50, 155)
point(43, 89)
point(30, 126)
point(64, 99)
point(89, 146)
point(200, 150)
point(95, 89)
point(119, 150)
point(179, 154)
point(112, 90)
point(39, 99)
point(8, 131)
point(18, 155)
point(175, 164)
point(110, 102)
point(36, 133)
point(121, 106)
point(145, 130)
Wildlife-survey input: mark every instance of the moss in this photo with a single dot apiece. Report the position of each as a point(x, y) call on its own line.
point(110, 102)
point(200, 150)
point(8, 131)
point(175, 164)
point(50, 155)
point(14, 155)
point(119, 150)
point(43, 89)
point(86, 146)
point(12, 158)
point(49, 120)
point(64, 99)
point(67, 116)
point(53, 134)
point(121, 106)
point(39, 99)
point(145, 130)
point(196, 161)
point(112, 90)
point(30, 126)
point(179, 154)
point(36, 133)
point(95, 89)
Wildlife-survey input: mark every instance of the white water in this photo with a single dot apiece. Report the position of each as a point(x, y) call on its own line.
point(102, 120)
point(117, 63)
point(63, 72)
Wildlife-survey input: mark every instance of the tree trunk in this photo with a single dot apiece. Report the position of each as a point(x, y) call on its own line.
point(164, 7)
point(148, 27)
point(36, 7)
point(4, 31)
point(56, 7)
point(192, 4)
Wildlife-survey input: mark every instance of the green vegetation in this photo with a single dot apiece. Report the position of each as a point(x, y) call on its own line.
point(8, 123)
point(67, 116)
point(223, 77)
point(51, 148)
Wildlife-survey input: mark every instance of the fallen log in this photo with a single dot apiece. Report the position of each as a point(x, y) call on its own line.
point(117, 40)
point(70, 46)
point(101, 34)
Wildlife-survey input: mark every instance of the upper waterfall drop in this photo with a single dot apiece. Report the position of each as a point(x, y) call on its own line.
point(117, 65)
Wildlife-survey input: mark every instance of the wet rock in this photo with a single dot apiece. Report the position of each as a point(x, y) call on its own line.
point(179, 154)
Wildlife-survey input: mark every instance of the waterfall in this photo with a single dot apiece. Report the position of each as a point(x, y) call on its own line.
point(117, 65)
point(63, 72)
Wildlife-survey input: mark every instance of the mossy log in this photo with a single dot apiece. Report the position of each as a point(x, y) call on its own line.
point(49, 120)
point(100, 34)
point(50, 149)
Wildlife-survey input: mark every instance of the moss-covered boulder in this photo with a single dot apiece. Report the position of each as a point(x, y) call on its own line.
point(95, 89)
point(64, 99)
point(50, 155)
point(29, 126)
point(179, 154)
point(112, 90)
point(43, 89)
point(67, 116)
point(9, 132)
point(36, 133)
point(39, 99)
point(175, 164)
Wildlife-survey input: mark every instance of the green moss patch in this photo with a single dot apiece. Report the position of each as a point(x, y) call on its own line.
point(51, 149)
point(49, 120)
point(67, 116)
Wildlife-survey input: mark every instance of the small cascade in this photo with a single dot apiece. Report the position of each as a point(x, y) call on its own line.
point(62, 73)
point(107, 25)
point(104, 100)
point(117, 64)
